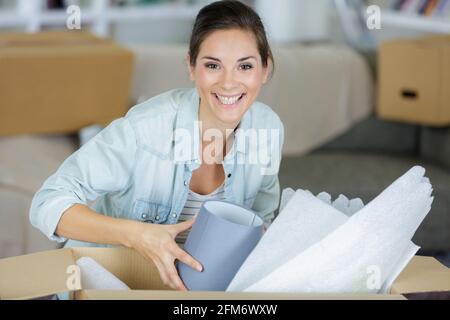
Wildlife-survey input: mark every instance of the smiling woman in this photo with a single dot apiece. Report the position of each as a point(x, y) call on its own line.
point(229, 59)
point(145, 193)
point(229, 74)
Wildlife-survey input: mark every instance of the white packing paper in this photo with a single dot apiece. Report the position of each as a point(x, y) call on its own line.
point(314, 247)
point(95, 277)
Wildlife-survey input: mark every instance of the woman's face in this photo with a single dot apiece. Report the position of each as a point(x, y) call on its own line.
point(228, 75)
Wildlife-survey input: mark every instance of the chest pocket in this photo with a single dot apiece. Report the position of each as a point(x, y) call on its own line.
point(146, 211)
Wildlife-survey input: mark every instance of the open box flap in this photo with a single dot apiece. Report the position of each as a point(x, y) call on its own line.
point(36, 275)
point(45, 273)
point(126, 264)
point(422, 274)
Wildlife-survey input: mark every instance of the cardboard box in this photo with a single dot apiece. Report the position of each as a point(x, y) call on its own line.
point(414, 81)
point(46, 273)
point(59, 82)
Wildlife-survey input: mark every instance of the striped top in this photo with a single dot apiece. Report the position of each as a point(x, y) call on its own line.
point(192, 207)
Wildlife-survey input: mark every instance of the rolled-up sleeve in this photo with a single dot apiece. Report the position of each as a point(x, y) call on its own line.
point(268, 197)
point(103, 165)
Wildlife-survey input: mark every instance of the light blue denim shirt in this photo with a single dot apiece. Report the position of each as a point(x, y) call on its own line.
point(139, 167)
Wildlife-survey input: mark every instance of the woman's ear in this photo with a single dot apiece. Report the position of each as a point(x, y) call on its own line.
point(267, 70)
point(190, 67)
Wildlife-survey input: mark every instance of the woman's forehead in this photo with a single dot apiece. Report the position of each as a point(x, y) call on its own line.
point(229, 45)
point(230, 35)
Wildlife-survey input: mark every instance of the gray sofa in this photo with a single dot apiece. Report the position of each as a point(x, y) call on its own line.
point(365, 160)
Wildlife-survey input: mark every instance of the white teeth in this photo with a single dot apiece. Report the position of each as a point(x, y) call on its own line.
point(228, 101)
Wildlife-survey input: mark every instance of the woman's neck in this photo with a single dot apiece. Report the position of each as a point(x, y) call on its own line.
point(225, 132)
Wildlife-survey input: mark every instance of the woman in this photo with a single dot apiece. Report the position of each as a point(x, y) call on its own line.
point(146, 174)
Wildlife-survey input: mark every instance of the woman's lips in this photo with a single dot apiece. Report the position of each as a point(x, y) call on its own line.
point(230, 106)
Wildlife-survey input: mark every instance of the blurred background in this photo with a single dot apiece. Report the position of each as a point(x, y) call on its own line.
point(363, 89)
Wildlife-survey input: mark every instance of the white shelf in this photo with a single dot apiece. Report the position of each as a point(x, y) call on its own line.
point(431, 24)
point(10, 19)
point(415, 22)
point(100, 15)
point(156, 11)
point(56, 17)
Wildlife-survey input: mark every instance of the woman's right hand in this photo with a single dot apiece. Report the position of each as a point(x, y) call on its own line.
point(157, 243)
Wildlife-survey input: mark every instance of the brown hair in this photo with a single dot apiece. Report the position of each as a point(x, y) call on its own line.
point(225, 15)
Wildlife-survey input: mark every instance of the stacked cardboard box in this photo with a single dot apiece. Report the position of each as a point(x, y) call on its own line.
point(414, 81)
point(59, 82)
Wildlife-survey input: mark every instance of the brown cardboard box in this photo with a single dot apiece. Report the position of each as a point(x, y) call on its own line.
point(414, 81)
point(59, 82)
point(45, 273)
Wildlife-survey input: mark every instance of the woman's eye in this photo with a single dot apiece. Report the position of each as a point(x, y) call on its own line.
point(212, 66)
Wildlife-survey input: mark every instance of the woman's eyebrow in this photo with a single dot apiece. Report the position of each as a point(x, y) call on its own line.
point(218, 60)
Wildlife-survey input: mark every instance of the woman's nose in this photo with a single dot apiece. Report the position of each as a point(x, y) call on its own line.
point(229, 80)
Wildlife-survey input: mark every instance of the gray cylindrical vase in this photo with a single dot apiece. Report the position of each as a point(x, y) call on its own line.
point(221, 238)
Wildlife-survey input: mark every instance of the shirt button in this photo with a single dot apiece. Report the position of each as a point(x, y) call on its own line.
point(185, 183)
point(229, 175)
point(174, 215)
point(157, 218)
point(144, 216)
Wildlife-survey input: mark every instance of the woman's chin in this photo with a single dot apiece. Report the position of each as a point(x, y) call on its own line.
point(227, 115)
point(229, 119)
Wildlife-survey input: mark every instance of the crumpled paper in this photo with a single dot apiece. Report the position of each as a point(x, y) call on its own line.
point(316, 245)
point(95, 277)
